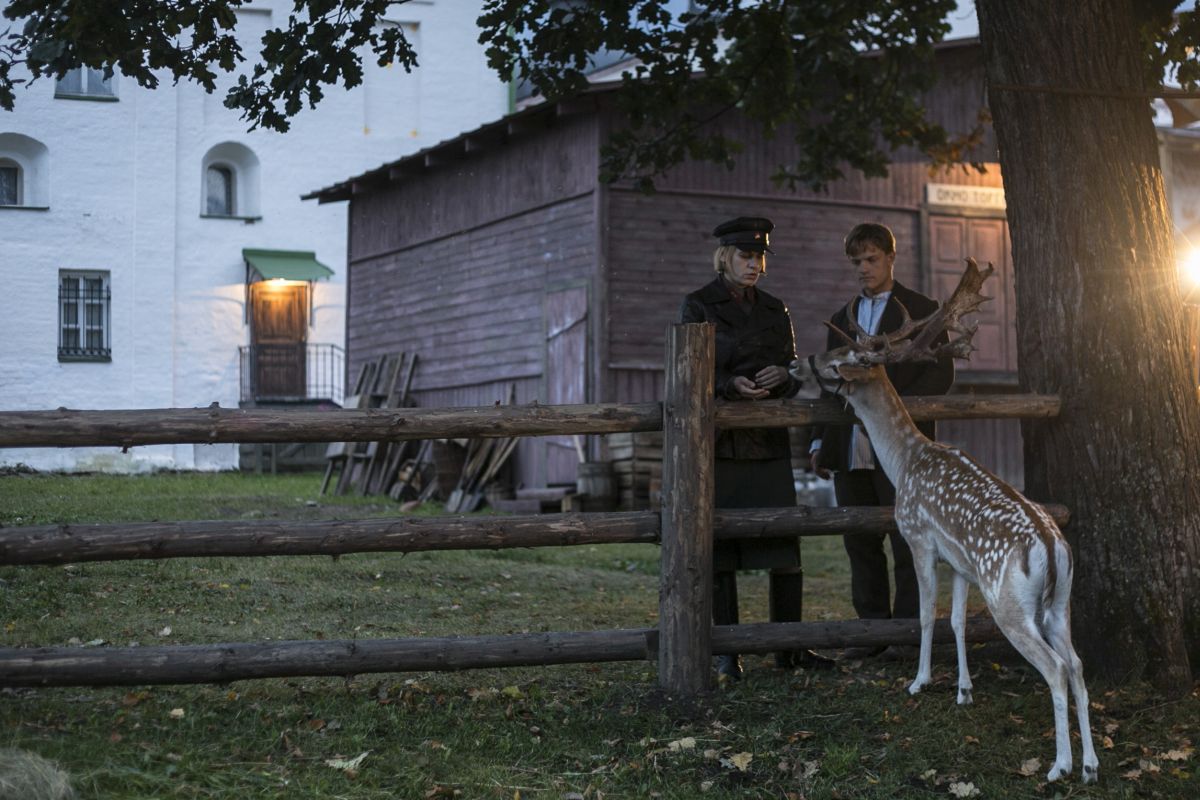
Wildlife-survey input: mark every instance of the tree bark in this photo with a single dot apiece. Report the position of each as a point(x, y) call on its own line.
point(1100, 323)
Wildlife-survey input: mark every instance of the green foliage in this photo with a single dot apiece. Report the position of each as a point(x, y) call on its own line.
point(795, 67)
point(321, 45)
point(844, 80)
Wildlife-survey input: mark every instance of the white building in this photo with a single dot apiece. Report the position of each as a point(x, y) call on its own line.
point(129, 220)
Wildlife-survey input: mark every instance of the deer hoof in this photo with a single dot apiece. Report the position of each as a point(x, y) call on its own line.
point(964, 696)
point(1091, 773)
point(1057, 772)
point(916, 686)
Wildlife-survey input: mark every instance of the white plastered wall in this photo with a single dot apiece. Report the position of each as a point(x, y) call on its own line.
point(124, 196)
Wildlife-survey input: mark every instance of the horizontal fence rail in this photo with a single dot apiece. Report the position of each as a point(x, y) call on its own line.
point(74, 543)
point(71, 428)
point(221, 663)
point(684, 640)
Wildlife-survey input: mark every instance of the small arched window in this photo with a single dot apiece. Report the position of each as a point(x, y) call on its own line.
point(229, 178)
point(10, 183)
point(24, 172)
point(219, 191)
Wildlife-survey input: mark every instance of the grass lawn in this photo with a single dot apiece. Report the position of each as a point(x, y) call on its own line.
point(580, 731)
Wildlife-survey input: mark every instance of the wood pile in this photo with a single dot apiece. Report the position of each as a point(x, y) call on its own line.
point(481, 464)
point(401, 470)
point(637, 464)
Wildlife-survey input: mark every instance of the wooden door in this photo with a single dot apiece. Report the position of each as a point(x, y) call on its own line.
point(952, 239)
point(996, 443)
point(278, 338)
point(566, 314)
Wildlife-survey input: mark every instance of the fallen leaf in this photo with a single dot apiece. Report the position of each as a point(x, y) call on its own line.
point(165, 631)
point(1030, 767)
point(176, 713)
point(964, 790)
point(1132, 775)
point(1178, 755)
point(705, 785)
point(513, 692)
point(686, 743)
point(1107, 743)
point(809, 769)
point(738, 761)
point(970, 739)
point(345, 765)
point(1148, 766)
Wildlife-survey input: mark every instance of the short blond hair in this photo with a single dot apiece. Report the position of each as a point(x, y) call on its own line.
point(722, 255)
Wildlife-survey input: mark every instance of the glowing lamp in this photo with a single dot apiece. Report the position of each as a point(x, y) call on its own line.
point(1191, 277)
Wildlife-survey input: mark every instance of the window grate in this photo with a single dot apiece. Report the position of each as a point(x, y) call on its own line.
point(84, 317)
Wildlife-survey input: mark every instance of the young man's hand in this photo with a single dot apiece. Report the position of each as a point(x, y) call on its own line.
point(815, 463)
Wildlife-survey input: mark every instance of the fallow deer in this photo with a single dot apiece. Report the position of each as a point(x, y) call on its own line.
point(952, 509)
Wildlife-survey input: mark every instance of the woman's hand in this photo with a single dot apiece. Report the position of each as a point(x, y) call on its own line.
point(770, 377)
point(748, 388)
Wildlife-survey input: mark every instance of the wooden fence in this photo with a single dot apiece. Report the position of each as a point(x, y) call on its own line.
point(686, 527)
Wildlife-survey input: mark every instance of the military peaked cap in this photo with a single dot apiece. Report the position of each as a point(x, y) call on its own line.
point(746, 233)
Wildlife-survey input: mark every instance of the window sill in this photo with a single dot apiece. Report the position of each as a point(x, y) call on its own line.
point(247, 220)
point(24, 208)
point(95, 98)
point(80, 357)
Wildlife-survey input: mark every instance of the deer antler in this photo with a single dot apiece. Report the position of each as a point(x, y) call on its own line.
point(903, 345)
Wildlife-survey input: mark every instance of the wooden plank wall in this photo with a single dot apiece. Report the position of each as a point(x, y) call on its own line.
point(504, 178)
point(661, 248)
point(471, 305)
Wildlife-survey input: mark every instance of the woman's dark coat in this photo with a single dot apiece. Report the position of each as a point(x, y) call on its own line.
point(753, 465)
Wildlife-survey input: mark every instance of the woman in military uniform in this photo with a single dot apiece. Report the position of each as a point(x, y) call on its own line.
point(754, 346)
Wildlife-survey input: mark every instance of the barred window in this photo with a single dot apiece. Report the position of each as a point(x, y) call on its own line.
point(85, 83)
point(84, 317)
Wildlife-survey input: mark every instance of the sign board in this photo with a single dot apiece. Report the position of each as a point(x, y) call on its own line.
point(949, 194)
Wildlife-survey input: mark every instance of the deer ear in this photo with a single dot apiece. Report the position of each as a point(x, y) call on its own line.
point(853, 372)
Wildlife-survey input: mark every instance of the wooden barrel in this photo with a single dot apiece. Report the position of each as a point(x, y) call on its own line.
point(596, 479)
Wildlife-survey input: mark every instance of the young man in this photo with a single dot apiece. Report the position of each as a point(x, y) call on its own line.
point(846, 451)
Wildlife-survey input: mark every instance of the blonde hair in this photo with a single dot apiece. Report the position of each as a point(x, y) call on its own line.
point(721, 256)
point(724, 254)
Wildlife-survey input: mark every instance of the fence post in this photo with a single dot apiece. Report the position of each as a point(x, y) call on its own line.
point(685, 593)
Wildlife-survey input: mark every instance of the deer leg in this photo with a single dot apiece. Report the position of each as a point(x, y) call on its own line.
point(958, 621)
point(1022, 633)
point(925, 564)
point(1058, 632)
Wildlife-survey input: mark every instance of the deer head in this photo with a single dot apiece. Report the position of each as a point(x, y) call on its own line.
point(864, 355)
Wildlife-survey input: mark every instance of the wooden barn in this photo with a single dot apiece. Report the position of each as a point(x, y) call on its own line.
point(500, 259)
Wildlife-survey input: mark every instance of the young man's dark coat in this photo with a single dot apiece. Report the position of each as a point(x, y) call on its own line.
point(918, 378)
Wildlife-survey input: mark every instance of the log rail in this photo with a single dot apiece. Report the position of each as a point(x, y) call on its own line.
point(80, 542)
point(686, 527)
point(215, 425)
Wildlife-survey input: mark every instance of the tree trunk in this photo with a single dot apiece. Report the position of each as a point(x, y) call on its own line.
point(1100, 323)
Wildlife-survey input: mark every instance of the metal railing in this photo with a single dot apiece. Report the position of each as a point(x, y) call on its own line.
point(292, 373)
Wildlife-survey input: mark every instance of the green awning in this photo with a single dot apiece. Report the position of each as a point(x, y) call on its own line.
point(292, 265)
